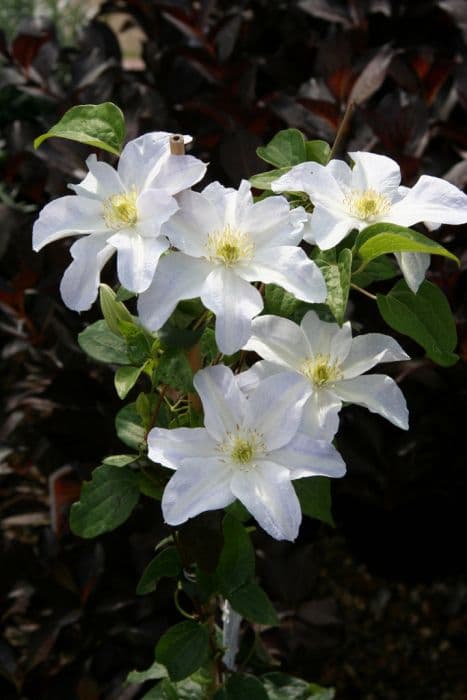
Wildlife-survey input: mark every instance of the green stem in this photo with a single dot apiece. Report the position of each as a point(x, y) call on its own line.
point(364, 291)
point(342, 130)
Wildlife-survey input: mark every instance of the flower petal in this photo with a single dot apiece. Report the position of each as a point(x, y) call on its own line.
point(235, 303)
point(431, 199)
point(377, 392)
point(306, 457)
point(142, 158)
point(171, 447)
point(137, 258)
point(316, 180)
point(200, 484)
point(178, 277)
point(275, 408)
point(271, 222)
point(413, 266)
point(329, 226)
point(67, 216)
point(154, 207)
point(177, 173)
point(325, 338)
point(101, 182)
point(249, 380)
point(223, 402)
point(267, 493)
point(189, 228)
point(320, 419)
point(375, 172)
point(369, 350)
point(278, 340)
point(289, 267)
point(80, 282)
point(237, 203)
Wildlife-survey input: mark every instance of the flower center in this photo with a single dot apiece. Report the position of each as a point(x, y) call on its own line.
point(320, 370)
point(120, 210)
point(229, 246)
point(242, 448)
point(366, 204)
point(242, 451)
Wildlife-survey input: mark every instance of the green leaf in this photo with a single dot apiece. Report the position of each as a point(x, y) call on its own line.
point(174, 369)
point(237, 560)
point(129, 427)
point(241, 686)
point(285, 149)
point(183, 649)
point(426, 317)
point(98, 341)
point(151, 487)
point(280, 303)
point(165, 565)
point(138, 341)
point(318, 151)
point(165, 690)
point(124, 294)
point(280, 686)
point(383, 268)
point(174, 338)
point(100, 126)
point(113, 310)
point(314, 494)
point(105, 502)
point(153, 673)
point(252, 603)
point(125, 379)
point(380, 239)
point(263, 181)
point(120, 460)
point(337, 275)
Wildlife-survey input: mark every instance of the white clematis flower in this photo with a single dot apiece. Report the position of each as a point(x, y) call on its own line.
point(226, 241)
point(250, 449)
point(328, 362)
point(347, 198)
point(121, 210)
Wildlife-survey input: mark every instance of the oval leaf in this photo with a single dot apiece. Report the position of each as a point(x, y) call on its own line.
point(241, 686)
point(237, 561)
point(285, 149)
point(129, 427)
point(380, 239)
point(263, 181)
point(337, 274)
point(318, 151)
point(314, 494)
point(426, 317)
point(183, 649)
point(98, 341)
point(165, 565)
point(125, 379)
point(105, 502)
point(100, 126)
point(251, 602)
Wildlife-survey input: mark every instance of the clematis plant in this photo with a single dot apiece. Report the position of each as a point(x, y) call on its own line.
point(240, 359)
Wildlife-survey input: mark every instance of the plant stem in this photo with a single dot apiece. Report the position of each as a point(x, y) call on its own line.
point(342, 130)
point(363, 291)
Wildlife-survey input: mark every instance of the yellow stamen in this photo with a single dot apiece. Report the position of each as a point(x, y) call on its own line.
point(120, 210)
point(366, 204)
point(242, 451)
point(229, 246)
point(320, 370)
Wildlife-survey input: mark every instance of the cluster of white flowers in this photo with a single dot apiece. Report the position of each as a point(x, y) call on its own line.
point(276, 421)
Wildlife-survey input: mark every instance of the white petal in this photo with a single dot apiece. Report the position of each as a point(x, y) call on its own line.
point(67, 216)
point(249, 380)
point(270, 222)
point(80, 282)
point(306, 457)
point(316, 180)
point(235, 303)
point(236, 204)
point(222, 198)
point(413, 266)
point(431, 199)
point(342, 172)
point(326, 338)
point(137, 258)
point(267, 493)
point(320, 419)
point(278, 340)
point(275, 408)
point(177, 173)
point(223, 402)
point(189, 228)
point(178, 277)
point(329, 226)
point(200, 484)
point(171, 447)
point(375, 172)
point(379, 393)
point(289, 267)
point(154, 207)
point(101, 182)
point(142, 158)
point(369, 350)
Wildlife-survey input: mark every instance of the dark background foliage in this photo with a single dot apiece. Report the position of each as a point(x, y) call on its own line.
point(376, 608)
